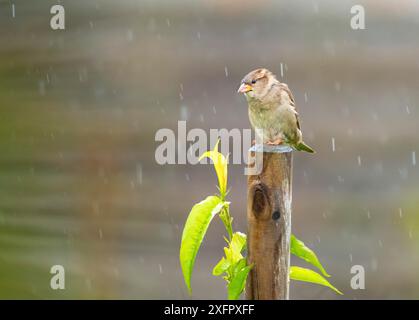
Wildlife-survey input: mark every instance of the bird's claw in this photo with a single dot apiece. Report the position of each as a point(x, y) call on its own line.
point(276, 142)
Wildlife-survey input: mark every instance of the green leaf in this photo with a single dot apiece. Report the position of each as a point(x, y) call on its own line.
point(299, 249)
point(307, 275)
point(237, 267)
point(227, 219)
point(220, 165)
point(193, 233)
point(238, 282)
point(221, 267)
point(233, 252)
point(238, 242)
point(233, 258)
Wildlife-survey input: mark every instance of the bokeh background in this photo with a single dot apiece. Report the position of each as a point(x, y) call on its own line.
point(79, 184)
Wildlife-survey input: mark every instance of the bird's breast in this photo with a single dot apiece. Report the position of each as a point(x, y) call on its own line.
point(267, 119)
point(277, 121)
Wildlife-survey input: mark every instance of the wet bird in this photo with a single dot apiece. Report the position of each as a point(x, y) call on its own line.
point(272, 109)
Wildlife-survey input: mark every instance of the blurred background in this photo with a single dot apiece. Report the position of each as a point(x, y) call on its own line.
point(79, 184)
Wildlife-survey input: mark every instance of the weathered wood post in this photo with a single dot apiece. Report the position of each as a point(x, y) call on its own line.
point(269, 200)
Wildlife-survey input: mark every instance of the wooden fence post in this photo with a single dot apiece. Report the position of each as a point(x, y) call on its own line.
point(269, 200)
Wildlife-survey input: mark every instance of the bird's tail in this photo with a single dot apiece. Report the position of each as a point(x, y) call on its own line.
point(303, 147)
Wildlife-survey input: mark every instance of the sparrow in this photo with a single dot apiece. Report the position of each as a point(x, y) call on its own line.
point(272, 109)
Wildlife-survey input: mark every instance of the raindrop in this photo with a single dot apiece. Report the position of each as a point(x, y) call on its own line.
point(41, 88)
point(226, 71)
point(214, 109)
point(378, 168)
point(400, 212)
point(184, 113)
point(168, 22)
point(407, 110)
point(187, 177)
point(359, 161)
point(151, 25)
point(337, 86)
point(305, 97)
point(404, 173)
point(306, 177)
point(414, 158)
point(201, 117)
point(350, 257)
point(82, 75)
point(160, 268)
point(139, 174)
point(333, 145)
point(130, 35)
point(88, 282)
point(368, 214)
point(198, 35)
point(116, 272)
point(282, 70)
point(374, 264)
point(13, 10)
point(100, 233)
point(345, 111)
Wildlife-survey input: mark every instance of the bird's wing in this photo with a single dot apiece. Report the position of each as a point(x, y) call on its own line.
point(285, 88)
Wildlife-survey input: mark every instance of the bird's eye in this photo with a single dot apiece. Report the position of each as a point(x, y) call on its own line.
point(253, 81)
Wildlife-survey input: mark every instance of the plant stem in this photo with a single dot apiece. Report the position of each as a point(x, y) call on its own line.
point(226, 219)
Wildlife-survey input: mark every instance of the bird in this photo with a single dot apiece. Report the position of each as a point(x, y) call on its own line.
point(272, 109)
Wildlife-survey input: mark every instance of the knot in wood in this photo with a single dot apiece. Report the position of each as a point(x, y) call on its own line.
point(276, 215)
point(260, 196)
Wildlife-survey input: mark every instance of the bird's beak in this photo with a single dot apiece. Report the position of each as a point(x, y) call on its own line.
point(244, 88)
